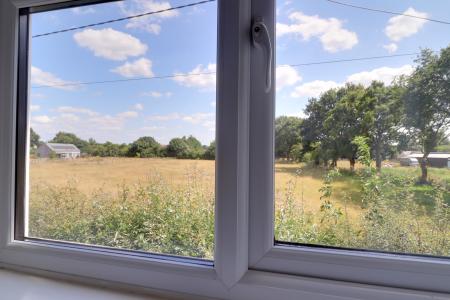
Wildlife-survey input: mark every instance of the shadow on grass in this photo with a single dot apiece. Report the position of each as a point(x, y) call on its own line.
point(346, 187)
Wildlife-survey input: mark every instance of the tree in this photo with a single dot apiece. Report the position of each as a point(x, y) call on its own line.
point(185, 147)
point(70, 138)
point(315, 138)
point(287, 135)
point(35, 139)
point(349, 118)
point(210, 152)
point(145, 147)
point(386, 113)
point(427, 102)
point(178, 148)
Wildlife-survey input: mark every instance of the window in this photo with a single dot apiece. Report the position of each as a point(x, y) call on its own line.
point(123, 155)
point(361, 132)
point(260, 220)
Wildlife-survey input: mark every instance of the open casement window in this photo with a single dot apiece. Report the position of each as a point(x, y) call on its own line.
point(303, 179)
point(333, 193)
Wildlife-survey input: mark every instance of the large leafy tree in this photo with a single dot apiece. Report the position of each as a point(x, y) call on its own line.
point(145, 146)
point(386, 111)
point(210, 152)
point(287, 136)
point(427, 102)
point(185, 147)
point(70, 138)
point(315, 138)
point(347, 120)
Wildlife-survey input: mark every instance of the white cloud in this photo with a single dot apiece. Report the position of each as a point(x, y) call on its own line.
point(391, 48)
point(314, 88)
point(37, 96)
point(70, 117)
point(198, 117)
point(153, 94)
point(150, 23)
point(85, 123)
point(400, 27)
point(203, 119)
point(203, 81)
point(34, 107)
point(301, 114)
point(76, 110)
point(384, 74)
point(127, 114)
point(42, 78)
point(168, 117)
point(109, 43)
point(152, 128)
point(286, 76)
point(137, 68)
point(43, 119)
point(213, 104)
point(83, 10)
point(138, 106)
point(329, 31)
point(156, 94)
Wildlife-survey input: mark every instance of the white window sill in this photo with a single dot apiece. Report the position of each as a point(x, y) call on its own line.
point(20, 286)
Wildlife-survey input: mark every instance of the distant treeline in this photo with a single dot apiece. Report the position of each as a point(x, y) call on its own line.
point(184, 147)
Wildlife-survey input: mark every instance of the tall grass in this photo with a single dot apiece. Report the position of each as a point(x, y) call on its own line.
point(394, 217)
point(395, 214)
point(149, 216)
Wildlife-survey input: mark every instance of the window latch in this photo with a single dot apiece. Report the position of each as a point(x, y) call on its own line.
point(261, 40)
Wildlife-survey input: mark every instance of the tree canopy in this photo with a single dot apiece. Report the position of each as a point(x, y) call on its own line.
point(145, 147)
point(427, 102)
point(287, 136)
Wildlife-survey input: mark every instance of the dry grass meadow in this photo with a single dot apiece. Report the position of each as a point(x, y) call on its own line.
point(110, 174)
point(166, 205)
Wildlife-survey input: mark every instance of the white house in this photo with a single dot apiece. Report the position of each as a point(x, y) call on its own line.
point(66, 151)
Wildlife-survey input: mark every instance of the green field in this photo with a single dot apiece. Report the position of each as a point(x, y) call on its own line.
point(167, 205)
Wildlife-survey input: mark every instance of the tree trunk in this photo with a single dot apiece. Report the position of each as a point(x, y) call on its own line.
point(334, 163)
point(378, 157)
point(424, 169)
point(316, 162)
point(352, 164)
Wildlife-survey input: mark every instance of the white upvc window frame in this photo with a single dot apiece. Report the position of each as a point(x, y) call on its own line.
point(396, 270)
point(247, 264)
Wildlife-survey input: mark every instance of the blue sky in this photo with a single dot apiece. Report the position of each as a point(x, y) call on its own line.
point(184, 41)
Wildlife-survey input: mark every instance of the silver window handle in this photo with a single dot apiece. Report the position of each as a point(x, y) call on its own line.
point(261, 40)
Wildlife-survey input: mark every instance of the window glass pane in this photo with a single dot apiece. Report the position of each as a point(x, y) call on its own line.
point(122, 126)
point(362, 125)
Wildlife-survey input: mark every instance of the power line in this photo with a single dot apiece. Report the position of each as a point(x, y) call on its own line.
point(124, 18)
point(348, 60)
point(387, 12)
point(211, 73)
point(122, 80)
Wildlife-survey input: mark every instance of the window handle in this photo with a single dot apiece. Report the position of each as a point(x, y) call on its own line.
point(261, 40)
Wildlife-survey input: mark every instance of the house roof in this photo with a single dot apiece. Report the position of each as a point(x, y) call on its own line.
point(431, 155)
point(63, 148)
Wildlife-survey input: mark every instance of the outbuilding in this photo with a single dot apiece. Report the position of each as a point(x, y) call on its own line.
point(435, 159)
point(65, 151)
